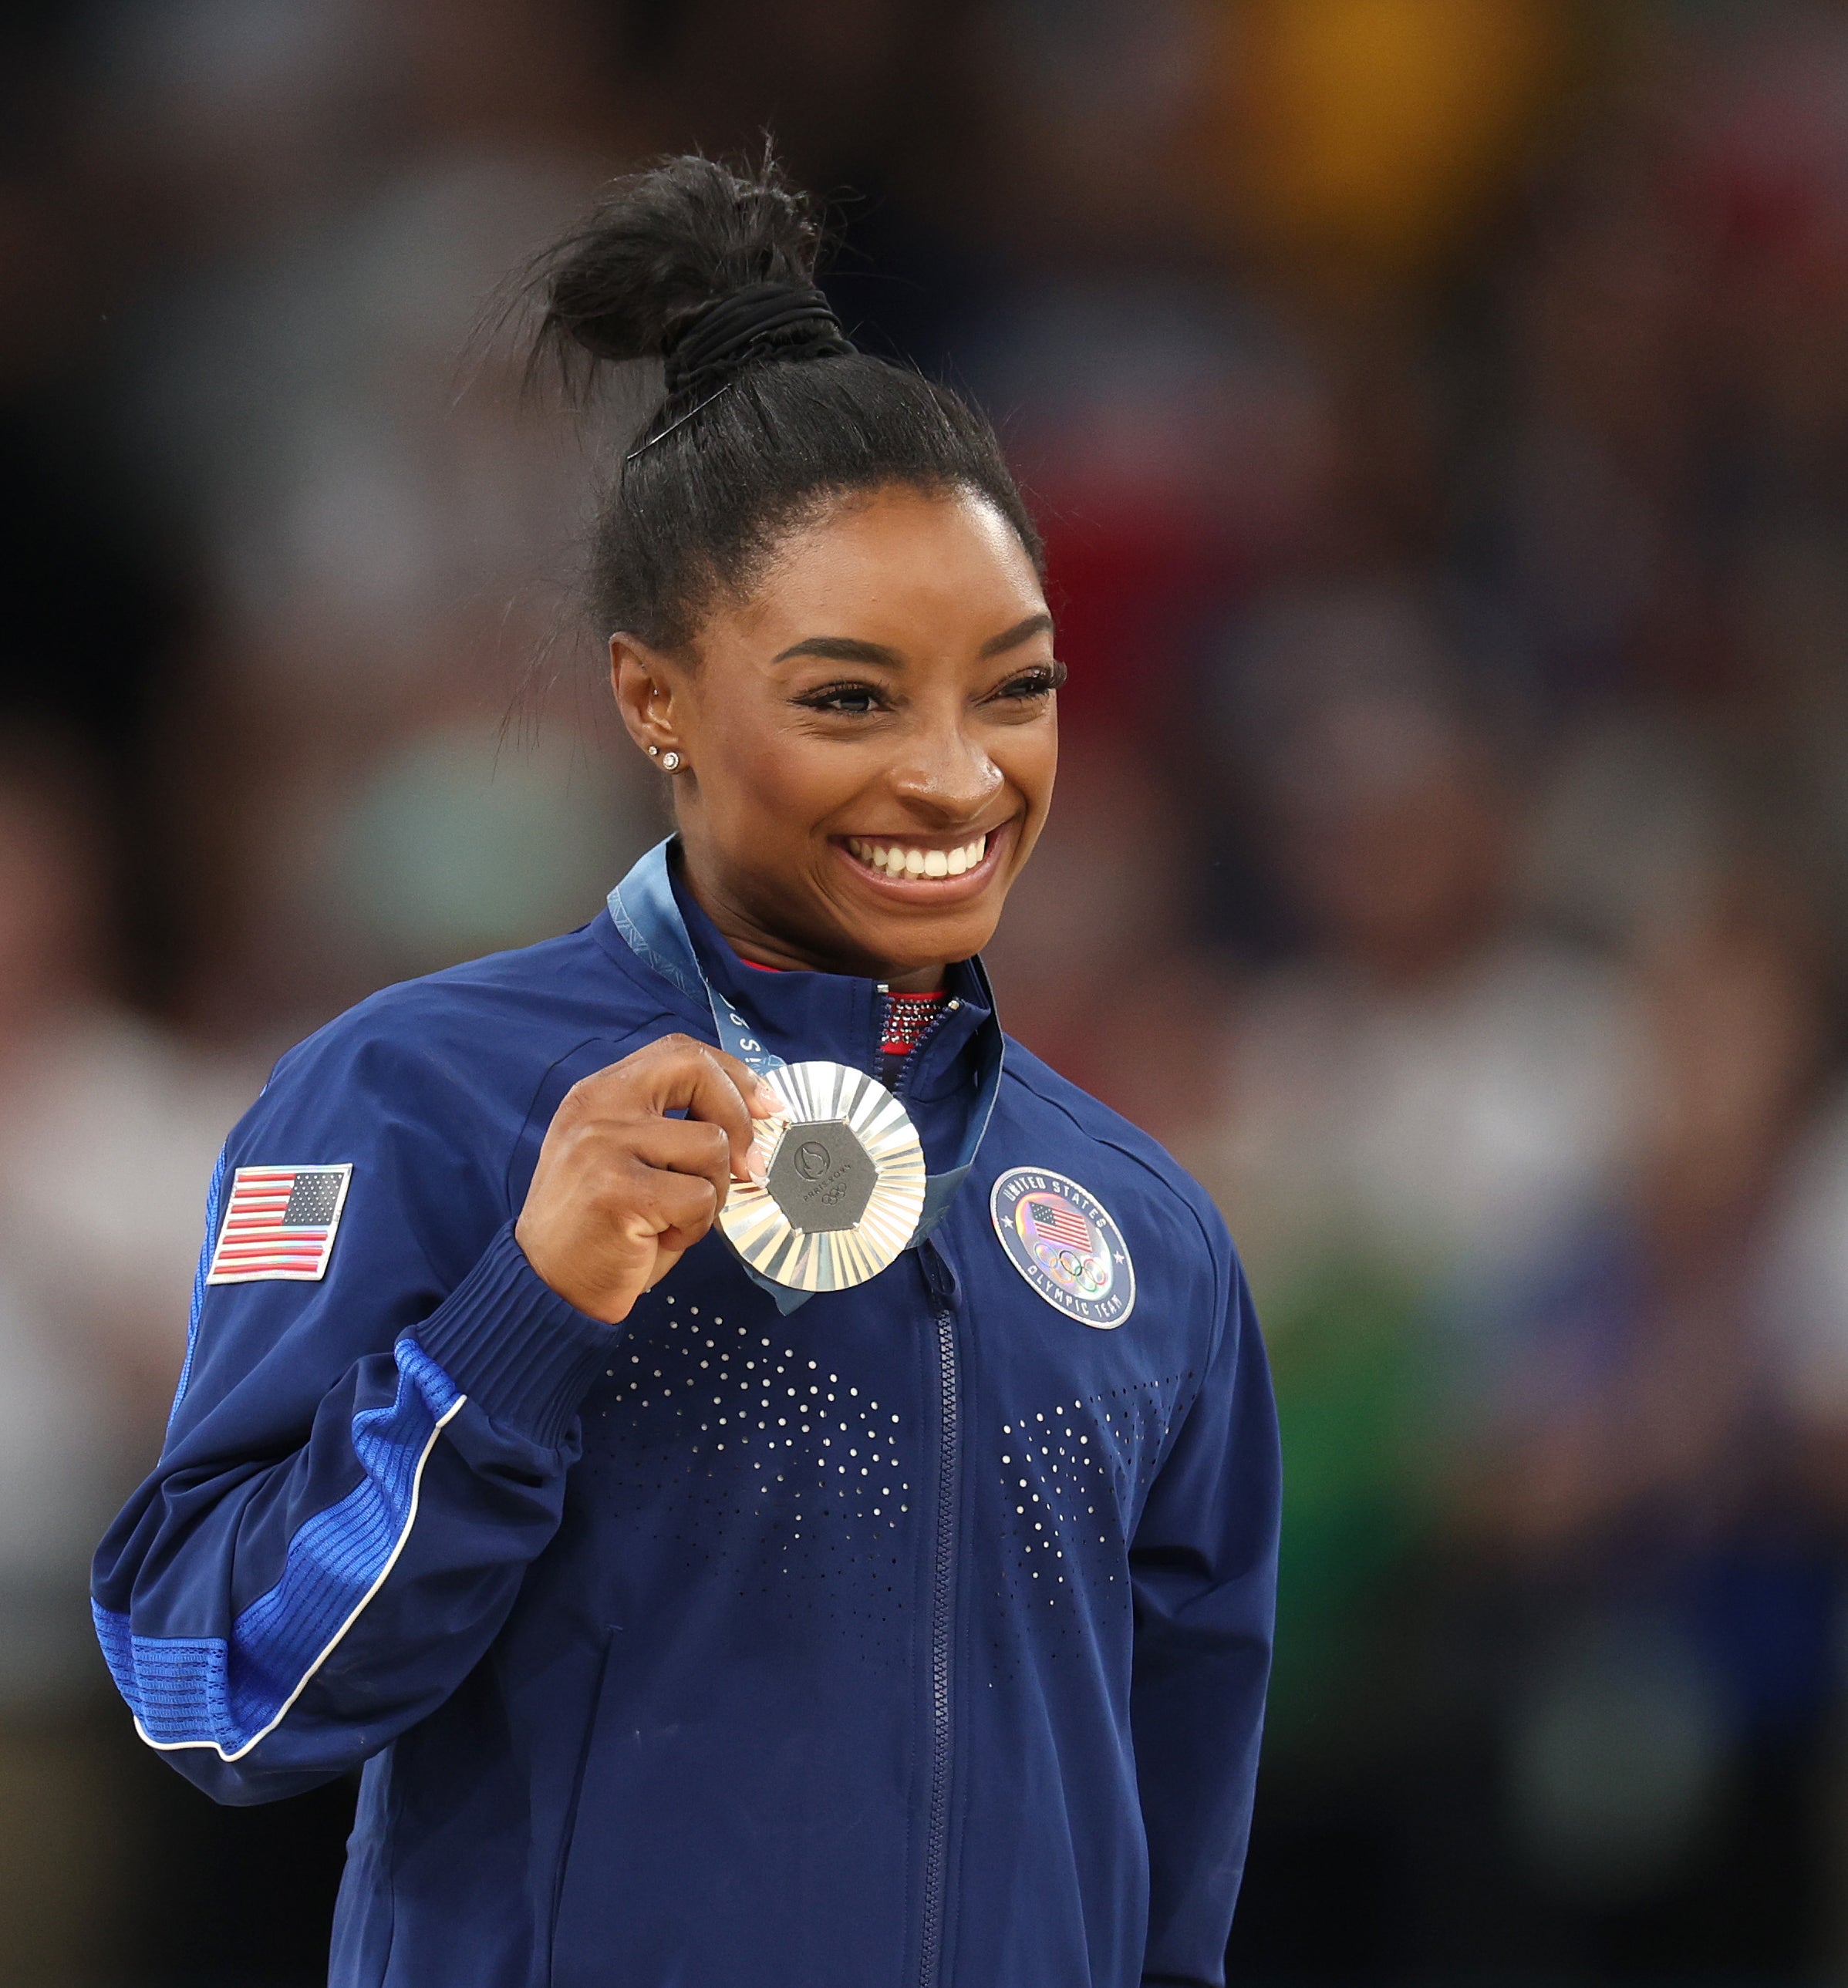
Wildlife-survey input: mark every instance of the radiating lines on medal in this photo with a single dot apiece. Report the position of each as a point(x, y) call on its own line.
point(844, 1181)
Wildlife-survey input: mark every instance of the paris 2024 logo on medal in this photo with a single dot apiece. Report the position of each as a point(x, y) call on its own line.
point(1063, 1242)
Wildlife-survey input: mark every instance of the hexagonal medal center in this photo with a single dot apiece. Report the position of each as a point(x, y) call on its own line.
point(820, 1177)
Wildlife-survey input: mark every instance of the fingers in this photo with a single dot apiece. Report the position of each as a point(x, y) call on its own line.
point(759, 1102)
point(708, 1090)
point(622, 1188)
point(677, 1073)
point(763, 1101)
point(686, 1147)
point(673, 1209)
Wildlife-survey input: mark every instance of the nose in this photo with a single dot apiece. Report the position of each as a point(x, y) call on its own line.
point(944, 775)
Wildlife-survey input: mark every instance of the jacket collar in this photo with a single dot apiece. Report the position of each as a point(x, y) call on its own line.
point(803, 1015)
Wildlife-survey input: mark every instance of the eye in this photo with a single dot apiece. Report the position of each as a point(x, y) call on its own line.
point(852, 700)
point(1030, 685)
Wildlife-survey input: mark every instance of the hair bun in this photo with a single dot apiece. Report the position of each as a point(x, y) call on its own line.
point(666, 252)
point(712, 271)
point(779, 320)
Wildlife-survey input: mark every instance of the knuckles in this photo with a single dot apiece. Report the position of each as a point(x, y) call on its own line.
point(590, 1090)
point(603, 1093)
point(596, 1134)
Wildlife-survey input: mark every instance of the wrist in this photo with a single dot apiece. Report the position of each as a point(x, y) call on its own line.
point(608, 1305)
point(520, 1350)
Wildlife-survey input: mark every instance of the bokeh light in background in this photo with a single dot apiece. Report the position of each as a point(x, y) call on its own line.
point(1438, 411)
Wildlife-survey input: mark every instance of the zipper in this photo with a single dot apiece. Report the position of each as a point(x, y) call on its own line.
point(942, 1286)
point(910, 1064)
point(908, 1068)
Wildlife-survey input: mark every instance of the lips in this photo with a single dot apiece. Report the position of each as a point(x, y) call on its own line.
point(914, 863)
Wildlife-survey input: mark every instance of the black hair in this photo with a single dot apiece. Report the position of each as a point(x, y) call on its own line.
point(768, 414)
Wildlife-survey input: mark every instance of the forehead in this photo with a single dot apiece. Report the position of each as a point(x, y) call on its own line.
point(898, 567)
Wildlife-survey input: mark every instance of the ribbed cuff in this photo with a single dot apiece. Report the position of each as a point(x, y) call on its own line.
point(514, 1347)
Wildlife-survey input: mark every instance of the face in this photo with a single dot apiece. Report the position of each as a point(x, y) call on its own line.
point(868, 741)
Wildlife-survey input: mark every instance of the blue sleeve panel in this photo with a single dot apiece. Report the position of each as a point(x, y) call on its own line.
point(358, 1470)
point(1204, 1573)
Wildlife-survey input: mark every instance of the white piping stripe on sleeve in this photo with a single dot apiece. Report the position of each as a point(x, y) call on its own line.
point(339, 1636)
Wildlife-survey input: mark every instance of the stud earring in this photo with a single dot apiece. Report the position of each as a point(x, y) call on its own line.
point(654, 752)
point(670, 762)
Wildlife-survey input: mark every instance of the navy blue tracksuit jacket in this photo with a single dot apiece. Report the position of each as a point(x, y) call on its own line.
point(918, 1638)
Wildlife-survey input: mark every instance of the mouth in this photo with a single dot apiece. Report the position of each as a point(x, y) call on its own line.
point(926, 869)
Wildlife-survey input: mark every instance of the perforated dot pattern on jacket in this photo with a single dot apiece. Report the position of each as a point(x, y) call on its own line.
point(769, 1466)
point(1074, 1477)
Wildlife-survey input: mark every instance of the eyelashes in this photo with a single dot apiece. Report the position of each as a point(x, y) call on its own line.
point(1039, 681)
point(860, 700)
point(855, 699)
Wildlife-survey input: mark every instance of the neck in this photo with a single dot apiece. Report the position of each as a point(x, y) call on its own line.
point(924, 980)
point(752, 939)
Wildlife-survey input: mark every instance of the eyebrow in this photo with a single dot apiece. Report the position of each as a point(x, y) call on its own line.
point(847, 649)
point(1022, 631)
point(841, 649)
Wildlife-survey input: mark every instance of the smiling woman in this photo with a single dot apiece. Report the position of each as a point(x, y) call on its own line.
point(861, 799)
point(738, 1546)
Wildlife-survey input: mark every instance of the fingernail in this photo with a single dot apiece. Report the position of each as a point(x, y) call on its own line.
point(758, 1167)
point(767, 1096)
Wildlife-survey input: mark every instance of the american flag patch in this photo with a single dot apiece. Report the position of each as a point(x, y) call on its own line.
point(1062, 1222)
point(280, 1223)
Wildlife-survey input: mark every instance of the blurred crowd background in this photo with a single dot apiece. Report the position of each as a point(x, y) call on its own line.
point(1438, 412)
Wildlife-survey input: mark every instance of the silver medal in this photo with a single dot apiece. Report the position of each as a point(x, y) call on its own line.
point(844, 1181)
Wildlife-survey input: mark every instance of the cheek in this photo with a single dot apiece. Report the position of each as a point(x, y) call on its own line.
point(777, 787)
point(1028, 761)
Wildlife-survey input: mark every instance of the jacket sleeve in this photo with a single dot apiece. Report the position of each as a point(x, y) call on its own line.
point(1204, 1573)
point(358, 1469)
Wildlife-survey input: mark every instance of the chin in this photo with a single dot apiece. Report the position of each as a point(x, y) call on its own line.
point(905, 946)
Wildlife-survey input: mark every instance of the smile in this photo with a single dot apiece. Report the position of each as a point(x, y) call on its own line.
point(898, 859)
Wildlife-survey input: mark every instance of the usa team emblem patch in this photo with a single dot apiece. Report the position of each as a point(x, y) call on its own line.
point(280, 1223)
point(1062, 1241)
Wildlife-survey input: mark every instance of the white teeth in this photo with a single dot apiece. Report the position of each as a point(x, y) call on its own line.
point(891, 860)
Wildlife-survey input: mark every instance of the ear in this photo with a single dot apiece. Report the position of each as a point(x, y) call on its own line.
point(644, 680)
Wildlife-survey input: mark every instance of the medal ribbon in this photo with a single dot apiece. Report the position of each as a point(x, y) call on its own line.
point(645, 912)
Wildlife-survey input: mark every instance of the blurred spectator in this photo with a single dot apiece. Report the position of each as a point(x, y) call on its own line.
point(110, 1128)
point(1661, 1393)
point(1436, 1084)
point(1411, 1113)
point(1643, 1464)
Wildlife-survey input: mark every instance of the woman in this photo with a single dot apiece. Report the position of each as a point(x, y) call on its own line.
point(754, 1525)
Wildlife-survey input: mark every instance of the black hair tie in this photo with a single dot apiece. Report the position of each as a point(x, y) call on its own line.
point(719, 338)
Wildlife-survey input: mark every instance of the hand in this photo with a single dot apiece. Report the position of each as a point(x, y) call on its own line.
point(621, 1190)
